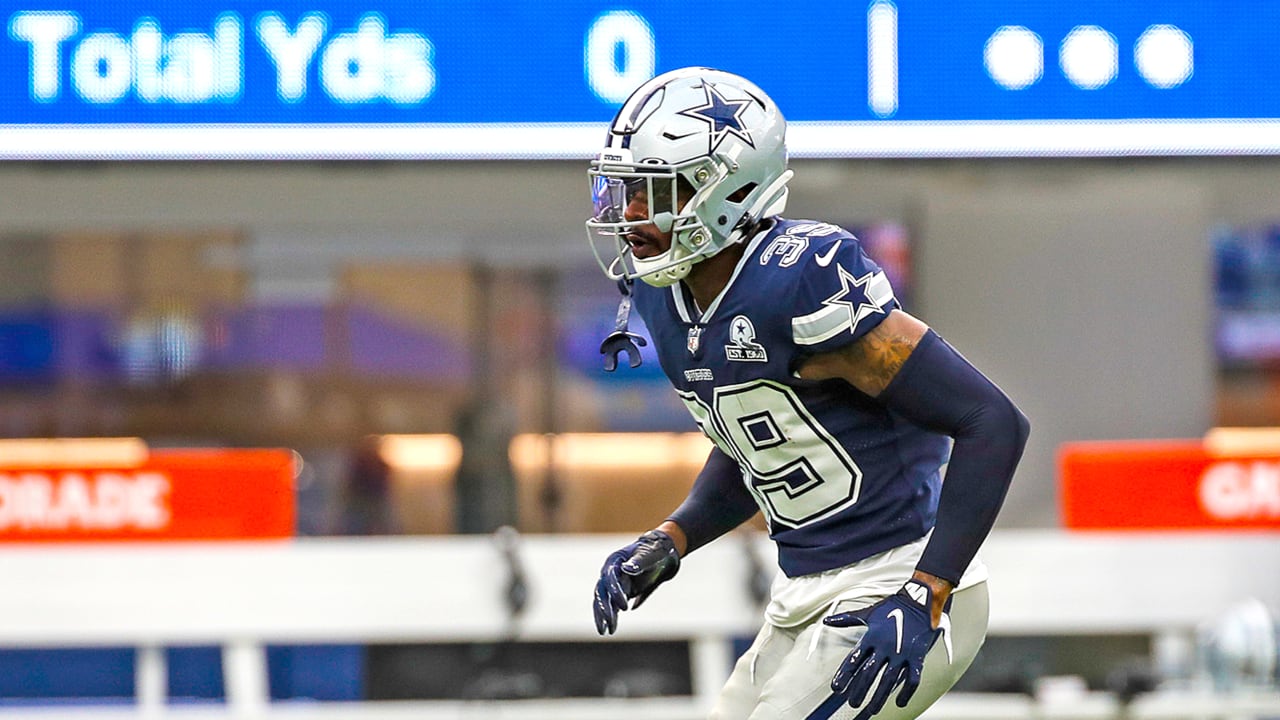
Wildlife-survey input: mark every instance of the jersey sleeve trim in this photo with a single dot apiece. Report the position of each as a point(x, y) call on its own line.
point(840, 315)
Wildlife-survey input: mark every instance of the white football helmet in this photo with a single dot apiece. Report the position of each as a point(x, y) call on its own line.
point(712, 130)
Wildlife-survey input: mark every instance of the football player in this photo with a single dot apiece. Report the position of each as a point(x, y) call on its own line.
point(832, 411)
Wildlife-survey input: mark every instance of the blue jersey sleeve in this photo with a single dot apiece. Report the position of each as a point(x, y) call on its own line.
point(842, 295)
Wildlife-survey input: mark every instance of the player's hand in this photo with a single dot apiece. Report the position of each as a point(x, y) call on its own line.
point(635, 571)
point(899, 634)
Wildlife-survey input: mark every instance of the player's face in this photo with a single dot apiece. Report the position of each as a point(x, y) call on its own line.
point(648, 240)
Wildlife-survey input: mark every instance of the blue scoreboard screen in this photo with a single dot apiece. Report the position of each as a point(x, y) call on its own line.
point(393, 79)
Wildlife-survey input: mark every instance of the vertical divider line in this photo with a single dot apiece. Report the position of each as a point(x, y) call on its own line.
point(882, 57)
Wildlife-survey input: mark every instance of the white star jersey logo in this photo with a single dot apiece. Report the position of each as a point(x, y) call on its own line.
point(861, 289)
point(857, 299)
point(742, 338)
point(723, 115)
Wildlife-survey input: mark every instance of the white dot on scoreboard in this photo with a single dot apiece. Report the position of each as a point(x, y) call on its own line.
point(1014, 57)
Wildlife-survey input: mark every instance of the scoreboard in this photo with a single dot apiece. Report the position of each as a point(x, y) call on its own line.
point(394, 79)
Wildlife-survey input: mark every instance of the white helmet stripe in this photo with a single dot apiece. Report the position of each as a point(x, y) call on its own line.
point(629, 116)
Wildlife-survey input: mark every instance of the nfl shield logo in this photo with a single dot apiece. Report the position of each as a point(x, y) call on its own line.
point(695, 337)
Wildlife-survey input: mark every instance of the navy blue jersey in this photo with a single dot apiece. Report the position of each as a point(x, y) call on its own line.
point(837, 475)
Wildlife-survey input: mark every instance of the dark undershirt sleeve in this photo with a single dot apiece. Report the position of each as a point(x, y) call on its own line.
point(939, 390)
point(717, 503)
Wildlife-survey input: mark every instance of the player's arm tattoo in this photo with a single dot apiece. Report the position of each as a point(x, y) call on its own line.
point(871, 362)
point(877, 357)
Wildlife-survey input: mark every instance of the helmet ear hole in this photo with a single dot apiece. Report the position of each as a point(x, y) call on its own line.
point(741, 193)
point(737, 196)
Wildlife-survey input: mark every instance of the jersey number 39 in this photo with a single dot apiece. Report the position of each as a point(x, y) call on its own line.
point(799, 472)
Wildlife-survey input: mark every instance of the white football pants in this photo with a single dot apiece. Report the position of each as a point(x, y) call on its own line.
point(786, 674)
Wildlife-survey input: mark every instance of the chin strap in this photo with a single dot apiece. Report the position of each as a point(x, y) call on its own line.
point(620, 339)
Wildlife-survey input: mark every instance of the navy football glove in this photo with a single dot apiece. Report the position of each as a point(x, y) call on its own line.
point(635, 571)
point(899, 634)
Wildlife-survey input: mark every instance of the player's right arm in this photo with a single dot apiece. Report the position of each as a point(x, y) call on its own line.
point(717, 503)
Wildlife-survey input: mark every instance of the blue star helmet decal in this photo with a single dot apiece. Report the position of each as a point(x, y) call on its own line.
point(723, 115)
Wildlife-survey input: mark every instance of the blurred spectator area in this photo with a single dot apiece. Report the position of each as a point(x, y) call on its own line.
point(205, 337)
point(186, 335)
point(1246, 262)
point(202, 338)
point(214, 337)
point(599, 482)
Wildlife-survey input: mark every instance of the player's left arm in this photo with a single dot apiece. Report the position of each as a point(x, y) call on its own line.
point(916, 373)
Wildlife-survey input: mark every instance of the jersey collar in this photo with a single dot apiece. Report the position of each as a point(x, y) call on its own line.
point(688, 310)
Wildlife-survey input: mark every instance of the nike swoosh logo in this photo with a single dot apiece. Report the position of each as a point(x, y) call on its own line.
point(825, 260)
point(896, 614)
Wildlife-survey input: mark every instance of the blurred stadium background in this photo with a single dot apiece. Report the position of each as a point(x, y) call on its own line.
point(301, 405)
